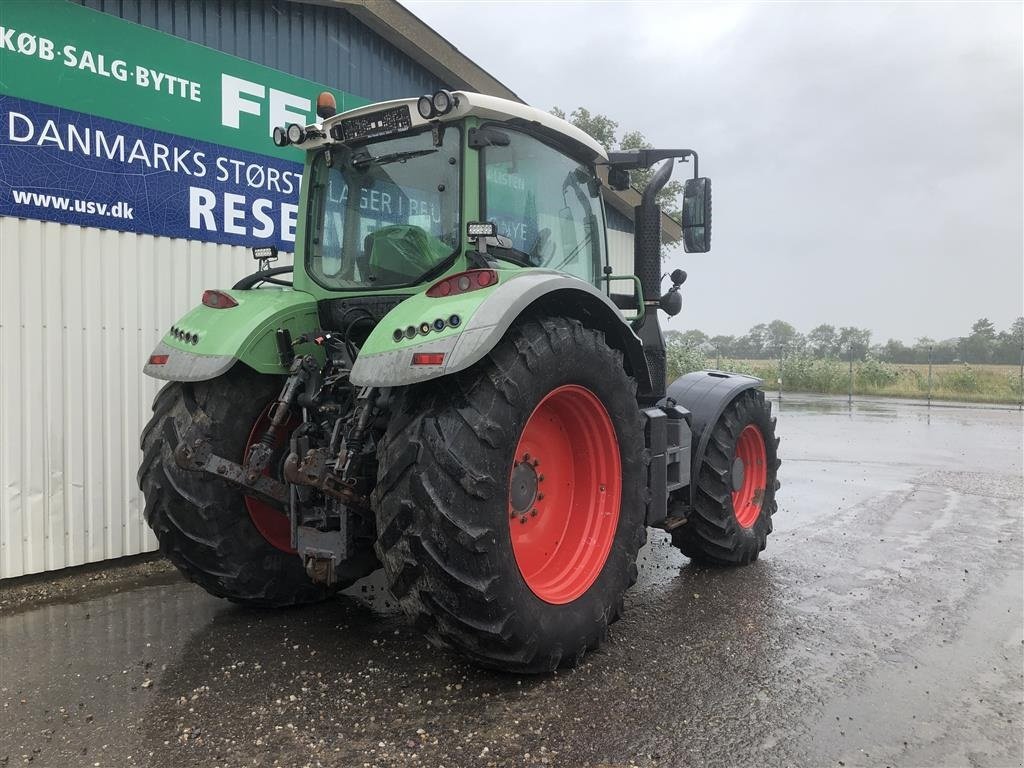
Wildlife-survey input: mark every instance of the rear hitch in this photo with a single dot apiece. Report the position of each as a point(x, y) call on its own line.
point(316, 469)
point(194, 454)
point(322, 552)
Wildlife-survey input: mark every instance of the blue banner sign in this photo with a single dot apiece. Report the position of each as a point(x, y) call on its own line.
point(61, 165)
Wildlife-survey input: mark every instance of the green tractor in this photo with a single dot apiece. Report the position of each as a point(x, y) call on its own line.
point(446, 384)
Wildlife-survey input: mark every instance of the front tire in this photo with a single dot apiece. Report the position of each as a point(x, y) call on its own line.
point(736, 483)
point(509, 499)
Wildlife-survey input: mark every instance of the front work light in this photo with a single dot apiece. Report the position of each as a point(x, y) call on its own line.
point(295, 133)
point(326, 105)
point(443, 101)
point(280, 137)
point(425, 106)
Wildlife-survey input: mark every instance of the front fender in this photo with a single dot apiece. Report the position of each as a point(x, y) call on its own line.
point(243, 333)
point(706, 395)
point(485, 315)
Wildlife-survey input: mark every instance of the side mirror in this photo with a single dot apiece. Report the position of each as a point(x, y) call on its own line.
point(697, 215)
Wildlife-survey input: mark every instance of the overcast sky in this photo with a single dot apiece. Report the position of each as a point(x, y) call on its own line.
point(866, 158)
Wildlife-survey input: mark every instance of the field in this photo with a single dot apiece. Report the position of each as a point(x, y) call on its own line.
point(959, 382)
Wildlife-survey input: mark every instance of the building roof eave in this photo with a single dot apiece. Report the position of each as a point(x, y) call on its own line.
point(415, 38)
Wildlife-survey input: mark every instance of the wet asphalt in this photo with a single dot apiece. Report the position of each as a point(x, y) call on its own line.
point(882, 627)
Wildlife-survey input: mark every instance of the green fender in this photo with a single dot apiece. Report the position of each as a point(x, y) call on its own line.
point(389, 359)
point(223, 337)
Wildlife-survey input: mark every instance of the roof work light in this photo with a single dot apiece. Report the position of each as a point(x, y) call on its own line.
point(294, 133)
point(442, 102)
point(425, 106)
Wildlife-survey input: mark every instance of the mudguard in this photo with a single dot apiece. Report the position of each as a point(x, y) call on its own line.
point(225, 336)
point(705, 394)
point(484, 315)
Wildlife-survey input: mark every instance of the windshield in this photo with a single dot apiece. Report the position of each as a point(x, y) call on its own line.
point(384, 214)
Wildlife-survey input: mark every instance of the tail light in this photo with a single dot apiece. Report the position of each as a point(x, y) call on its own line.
point(158, 359)
point(218, 300)
point(463, 282)
point(428, 358)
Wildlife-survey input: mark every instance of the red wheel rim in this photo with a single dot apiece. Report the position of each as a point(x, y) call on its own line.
point(272, 523)
point(564, 494)
point(749, 476)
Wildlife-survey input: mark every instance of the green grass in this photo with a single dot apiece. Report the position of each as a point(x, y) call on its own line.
point(957, 382)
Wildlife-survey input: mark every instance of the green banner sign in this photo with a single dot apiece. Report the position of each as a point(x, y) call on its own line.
point(68, 56)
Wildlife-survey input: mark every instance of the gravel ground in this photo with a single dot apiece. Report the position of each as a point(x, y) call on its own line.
point(883, 626)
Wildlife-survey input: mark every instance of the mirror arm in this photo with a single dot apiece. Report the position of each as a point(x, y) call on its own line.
point(636, 159)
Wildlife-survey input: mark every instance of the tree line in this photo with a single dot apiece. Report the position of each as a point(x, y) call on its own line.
point(984, 344)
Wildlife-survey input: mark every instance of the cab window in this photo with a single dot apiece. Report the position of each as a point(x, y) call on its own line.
point(547, 203)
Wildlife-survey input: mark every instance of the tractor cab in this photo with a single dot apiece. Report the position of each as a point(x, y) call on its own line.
point(392, 188)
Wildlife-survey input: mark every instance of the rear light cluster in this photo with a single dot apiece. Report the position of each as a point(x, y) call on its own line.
point(218, 300)
point(464, 282)
point(184, 336)
point(424, 328)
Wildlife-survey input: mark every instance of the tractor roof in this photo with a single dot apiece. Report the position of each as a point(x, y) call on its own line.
point(491, 108)
point(494, 108)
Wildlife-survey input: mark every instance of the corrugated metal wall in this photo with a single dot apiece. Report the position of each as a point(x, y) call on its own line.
point(325, 45)
point(620, 254)
point(620, 242)
point(80, 310)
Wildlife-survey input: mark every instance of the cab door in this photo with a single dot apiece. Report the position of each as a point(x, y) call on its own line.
point(547, 202)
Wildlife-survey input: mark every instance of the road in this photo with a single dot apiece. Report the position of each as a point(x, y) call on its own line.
point(883, 626)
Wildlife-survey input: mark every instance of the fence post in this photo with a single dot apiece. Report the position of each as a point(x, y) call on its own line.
point(780, 374)
point(929, 376)
point(849, 399)
point(1020, 402)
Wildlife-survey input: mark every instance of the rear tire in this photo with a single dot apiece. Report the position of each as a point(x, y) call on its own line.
point(202, 522)
point(734, 503)
point(444, 510)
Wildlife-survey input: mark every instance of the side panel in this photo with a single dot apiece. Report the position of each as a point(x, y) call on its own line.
point(224, 336)
point(706, 394)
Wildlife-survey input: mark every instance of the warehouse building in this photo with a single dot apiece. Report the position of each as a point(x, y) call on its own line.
point(137, 171)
